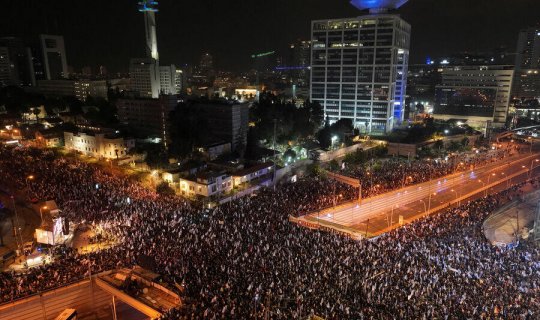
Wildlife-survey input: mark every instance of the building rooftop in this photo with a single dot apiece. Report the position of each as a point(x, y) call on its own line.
point(378, 6)
point(252, 169)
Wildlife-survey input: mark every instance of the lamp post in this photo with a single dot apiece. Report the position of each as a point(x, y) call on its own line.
point(334, 140)
point(429, 200)
point(531, 168)
point(41, 213)
point(425, 207)
point(30, 177)
point(392, 214)
point(454, 191)
point(483, 185)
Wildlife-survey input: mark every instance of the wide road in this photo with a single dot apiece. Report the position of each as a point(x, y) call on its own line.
point(428, 196)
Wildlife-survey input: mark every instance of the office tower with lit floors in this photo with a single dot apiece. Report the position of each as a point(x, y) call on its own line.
point(527, 65)
point(359, 66)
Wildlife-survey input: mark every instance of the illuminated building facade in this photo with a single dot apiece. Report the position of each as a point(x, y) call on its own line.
point(479, 95)
point(359, 66)
point(527, 72)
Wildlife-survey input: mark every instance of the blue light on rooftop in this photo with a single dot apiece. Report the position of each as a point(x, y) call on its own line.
point(148, 6)
point(378, 4)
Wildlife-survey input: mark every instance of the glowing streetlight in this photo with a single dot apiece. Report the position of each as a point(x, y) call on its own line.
point(41, 212)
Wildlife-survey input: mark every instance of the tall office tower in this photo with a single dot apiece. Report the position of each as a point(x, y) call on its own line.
point(359, 66)
point(300, 59)
point(20, 58)
point(167, 79)
point(527, 70)
point(144, 74)
point(54, 56)
point(5, 67)
point(207, 63)
point(149, 8)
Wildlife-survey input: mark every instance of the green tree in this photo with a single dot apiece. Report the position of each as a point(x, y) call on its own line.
point(163, 188)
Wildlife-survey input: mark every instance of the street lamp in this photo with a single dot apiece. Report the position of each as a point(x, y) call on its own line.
point(531, 168)
point(334, 140)
point(454, 191)
point(491, 175)
point(483, 185)
point(425, 207)
point(41, 213)
point(30, 177)
point(392, 215)
point(429, 200)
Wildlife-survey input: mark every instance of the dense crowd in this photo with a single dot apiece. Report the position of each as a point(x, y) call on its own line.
point(381, 176)
point(244, 259)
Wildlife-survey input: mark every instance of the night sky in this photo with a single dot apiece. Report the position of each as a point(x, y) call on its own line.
point(109, 32)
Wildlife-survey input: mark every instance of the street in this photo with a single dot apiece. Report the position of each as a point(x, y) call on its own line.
point(381, 213)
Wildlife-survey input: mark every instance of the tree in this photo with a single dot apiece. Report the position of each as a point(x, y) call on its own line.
point(163, 188)
point(290, 154)
point(325, 137)
point(438, 145)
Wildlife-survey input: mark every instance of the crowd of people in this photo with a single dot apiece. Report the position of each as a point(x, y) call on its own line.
point(244, 259)
point(381, 176)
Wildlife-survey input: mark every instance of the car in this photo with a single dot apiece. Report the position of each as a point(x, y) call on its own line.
point(28, 247)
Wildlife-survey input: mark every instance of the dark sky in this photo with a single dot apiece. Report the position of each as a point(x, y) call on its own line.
point(109, 32)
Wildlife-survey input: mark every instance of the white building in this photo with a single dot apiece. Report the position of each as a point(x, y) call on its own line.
point(170, 79)
point(359, 68)
point(100, 145)
point(479, 95)
point(252, 173)
point(206, 184)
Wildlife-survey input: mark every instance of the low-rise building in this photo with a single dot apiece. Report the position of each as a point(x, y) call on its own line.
point(252, 173)
point(214, 150)
point(206, 184)
point(101, 145)
point(49, 138)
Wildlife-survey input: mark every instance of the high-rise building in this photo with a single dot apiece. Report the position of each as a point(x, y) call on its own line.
point(145, 76)
point(527, 66)
point(167, 79)
point(145, 72)
point(5, 67)
point(148, 116)
point(359, 66)
point(300, 60)
point(207, 63)
point(227, 121)
point(478, 95)
point(21, 69)
point(54, 56)
point(149, 8)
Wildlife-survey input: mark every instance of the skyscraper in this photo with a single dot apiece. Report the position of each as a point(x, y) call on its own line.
point(145, 72)
point(54, 56)
point(149, 8)
point(527, 70)
point(21, 68)
point(359, 66)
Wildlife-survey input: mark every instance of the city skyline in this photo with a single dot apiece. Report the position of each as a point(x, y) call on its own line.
point(186, 31)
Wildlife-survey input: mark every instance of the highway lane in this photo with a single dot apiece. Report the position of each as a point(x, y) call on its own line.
point(429, 195)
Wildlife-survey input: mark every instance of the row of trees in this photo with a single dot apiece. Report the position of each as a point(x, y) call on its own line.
point(17, 101)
